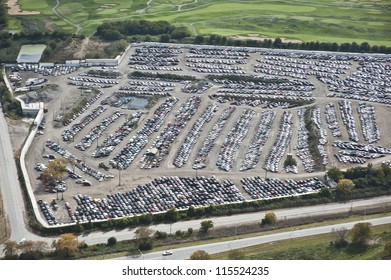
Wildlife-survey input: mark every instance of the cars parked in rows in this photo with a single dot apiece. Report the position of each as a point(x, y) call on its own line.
point(214, 133)
point(281, 143)
point(184, 151)
point(170, 133)
point(112, 140)
point(260, 188)
point(228, 152)
point(97, 131)
point(368, 121)
point(69, 133)
point(259, 139)
point(161, 194)
point(140, 140)
point(331, 119)
point(348, 119)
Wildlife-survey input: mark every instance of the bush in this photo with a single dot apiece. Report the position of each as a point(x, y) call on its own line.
point(111, 241)
point(270, 219)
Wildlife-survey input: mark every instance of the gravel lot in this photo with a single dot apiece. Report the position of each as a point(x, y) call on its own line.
point(68, 96)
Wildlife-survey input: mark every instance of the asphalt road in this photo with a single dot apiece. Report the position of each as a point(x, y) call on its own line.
point(9, 184)
point(213, 248)
point(101, 237)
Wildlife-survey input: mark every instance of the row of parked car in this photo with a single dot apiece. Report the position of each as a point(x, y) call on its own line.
point(215, 68)
point(302, 146)
point(69, 133)
point(331, 119)
point(305, 66)
point(219, 53)
point(196, 87)
point(155, 56)
point(214, 133)
point(112, 140)
point(229, 150)
point(281, 143)
point(140, 140)
point(358, 153)
point(153, 86)
point(88, 104)
point(361, 147)
point(260, 188)
point(97, 131)
point(56, 70)
point(368, 121)
point(170, 133)
point(162, 194)
point(260, 137)
point(156, 68)
point(215, 61)
point(322, 135)
point(262, 93)
point(249, 100)
point(184, 151)
point(80, 164)
point(370, 83)
point(47, 212)
point(93, 80)
point(348, 119)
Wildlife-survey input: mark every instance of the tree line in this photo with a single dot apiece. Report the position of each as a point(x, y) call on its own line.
point(117, 30)
point(166, 32)
point(358, 181)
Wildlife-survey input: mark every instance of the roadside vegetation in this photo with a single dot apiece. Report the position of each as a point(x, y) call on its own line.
point(322, 247)
point(11, 107)
point(68, 246)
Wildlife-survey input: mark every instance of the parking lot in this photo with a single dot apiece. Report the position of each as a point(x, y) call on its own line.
point(141, 142)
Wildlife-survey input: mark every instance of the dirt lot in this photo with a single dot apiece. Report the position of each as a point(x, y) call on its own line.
point(66, 97)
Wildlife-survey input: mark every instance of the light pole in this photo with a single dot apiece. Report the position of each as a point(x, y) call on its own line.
point(119, 176)
point(141, 253)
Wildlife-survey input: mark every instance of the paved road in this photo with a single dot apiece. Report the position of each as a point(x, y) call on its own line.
point(9, 184)
point(213, 248)
point(99, 237)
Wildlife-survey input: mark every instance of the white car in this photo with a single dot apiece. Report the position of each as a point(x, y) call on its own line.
point(167, 253)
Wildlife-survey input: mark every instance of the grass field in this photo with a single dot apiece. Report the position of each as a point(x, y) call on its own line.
point(318, 20)
point(315, 247)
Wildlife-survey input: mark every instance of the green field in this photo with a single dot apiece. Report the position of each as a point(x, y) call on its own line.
point(318, 20)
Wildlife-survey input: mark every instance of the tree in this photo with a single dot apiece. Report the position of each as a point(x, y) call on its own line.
point(387, 249)
point(335, 174)
point(191, 212)
point(111, 241)
point(165, 38)
point(10, 248)
point(32, 250)
point(340, 236)
point(67, 246)
point(270, 219)
point(142, 233)
point(143, 238)
point(54, 171)
point(200, 255)
point(361, 233)
point(236, 255)
point(171, 215)
point(344, 188)
point(206, 225)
